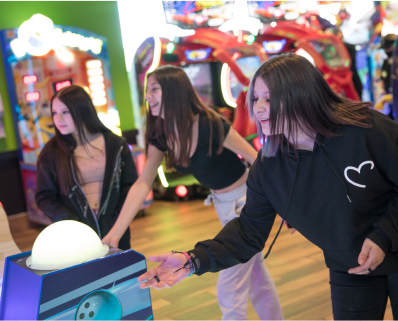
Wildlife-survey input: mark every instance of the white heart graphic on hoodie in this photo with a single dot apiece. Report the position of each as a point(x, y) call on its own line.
point(357, 170)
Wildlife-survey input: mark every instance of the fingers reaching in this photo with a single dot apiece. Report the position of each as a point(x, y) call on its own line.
point(167, 274)
point(369, 259)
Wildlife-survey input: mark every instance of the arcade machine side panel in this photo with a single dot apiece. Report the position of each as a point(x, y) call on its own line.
point(20, 295)
point(104, 289)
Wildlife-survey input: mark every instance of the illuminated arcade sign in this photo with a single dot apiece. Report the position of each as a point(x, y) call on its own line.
point(31, 79)
point(274, 46)
point(37, 36)
point(34, 96)
point(62, 84)
point(197, 55)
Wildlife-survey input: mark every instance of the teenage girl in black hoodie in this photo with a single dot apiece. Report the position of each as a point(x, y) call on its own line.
point(330, 168)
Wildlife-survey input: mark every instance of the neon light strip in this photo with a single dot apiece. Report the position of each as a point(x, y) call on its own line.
point(162, 177)
point(156, 54)
point(226, 86)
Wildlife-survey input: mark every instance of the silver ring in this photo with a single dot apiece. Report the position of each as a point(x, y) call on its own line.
point(156, 278)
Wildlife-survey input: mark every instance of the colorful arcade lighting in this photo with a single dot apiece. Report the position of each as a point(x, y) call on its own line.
point(95, 75)
point(62, 84)
point(162, 177)
point(30, 79)
point(250, 39)
point(226, 86)
point(35, 35)
point(32, 96)
point(181, 191)
point(170, 47)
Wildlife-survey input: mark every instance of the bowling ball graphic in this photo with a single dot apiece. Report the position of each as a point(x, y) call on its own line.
point(99, 305)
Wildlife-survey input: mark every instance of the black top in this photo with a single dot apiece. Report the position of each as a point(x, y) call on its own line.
point(386, 75)
point(216, 171)
point(355, 77)
point(339, 194)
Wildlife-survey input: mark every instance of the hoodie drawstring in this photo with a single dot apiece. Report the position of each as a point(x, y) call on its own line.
point(287, 208)
point(336, 172)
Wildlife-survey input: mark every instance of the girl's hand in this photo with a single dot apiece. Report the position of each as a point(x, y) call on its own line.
point(110, 240)
point(370, 257)
point(171, 262)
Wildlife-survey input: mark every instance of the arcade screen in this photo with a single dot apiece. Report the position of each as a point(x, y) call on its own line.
point(328, 52)
point(275, 46)
point(198, 14)
point(248, 66)
point(200, 76)
point(265, 10)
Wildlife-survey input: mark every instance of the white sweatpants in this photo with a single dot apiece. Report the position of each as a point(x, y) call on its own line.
point(243, 281)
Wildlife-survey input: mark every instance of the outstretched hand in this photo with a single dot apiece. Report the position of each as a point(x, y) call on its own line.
point(371, 257)
point(110, 240)
point(165, 272)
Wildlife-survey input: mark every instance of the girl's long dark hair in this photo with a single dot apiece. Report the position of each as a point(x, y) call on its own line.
point(84, 115)
point(301, 100)
point(180, 103)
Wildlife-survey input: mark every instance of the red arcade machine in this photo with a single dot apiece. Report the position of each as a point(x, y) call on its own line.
point(326, 52)
point(220, 68)
point(219, 64)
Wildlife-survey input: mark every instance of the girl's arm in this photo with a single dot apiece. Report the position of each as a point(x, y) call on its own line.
point(239, 145)
point(135, 197)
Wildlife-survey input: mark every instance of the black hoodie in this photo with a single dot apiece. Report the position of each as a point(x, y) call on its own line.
point(339, 194)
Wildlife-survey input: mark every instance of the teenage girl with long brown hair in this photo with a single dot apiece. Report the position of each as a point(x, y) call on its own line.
point(197, 140)
point(330, 168)
point(85, 171)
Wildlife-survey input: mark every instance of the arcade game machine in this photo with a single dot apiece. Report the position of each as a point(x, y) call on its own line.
point(219, 65)
point(41, 58)
point(71, 275)
point(326, 52)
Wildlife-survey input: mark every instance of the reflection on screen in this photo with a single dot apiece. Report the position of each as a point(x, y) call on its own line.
point(200, 76)
point(248, 66)
point(329, 53)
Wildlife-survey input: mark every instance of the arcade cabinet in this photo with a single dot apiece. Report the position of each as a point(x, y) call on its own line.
point(41, 58)
point(326, 52)
point(71, 275)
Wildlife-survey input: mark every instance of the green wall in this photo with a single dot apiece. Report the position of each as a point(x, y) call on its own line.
point(97, 16)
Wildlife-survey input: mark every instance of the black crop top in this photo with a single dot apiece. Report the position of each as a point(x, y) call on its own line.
point(216, 171)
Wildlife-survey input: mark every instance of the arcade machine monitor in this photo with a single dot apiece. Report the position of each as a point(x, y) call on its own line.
point(200, 76)
point(198, 14)
point(249, 66)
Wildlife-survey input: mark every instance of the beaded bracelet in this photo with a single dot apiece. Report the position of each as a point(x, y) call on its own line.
point(189, 261)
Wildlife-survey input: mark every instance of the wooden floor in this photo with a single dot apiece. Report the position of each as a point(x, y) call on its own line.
point(296, 265)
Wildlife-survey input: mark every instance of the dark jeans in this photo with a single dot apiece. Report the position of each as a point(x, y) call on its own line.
point(363, 297)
